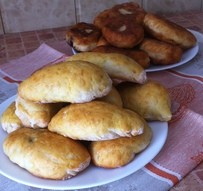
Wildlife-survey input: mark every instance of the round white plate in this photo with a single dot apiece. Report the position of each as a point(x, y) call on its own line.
point(92, 176)
point(186, 57)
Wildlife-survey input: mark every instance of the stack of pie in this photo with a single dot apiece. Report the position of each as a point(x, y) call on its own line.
point(74, 113)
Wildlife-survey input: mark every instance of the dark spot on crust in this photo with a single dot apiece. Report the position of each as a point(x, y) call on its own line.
point(31, 139)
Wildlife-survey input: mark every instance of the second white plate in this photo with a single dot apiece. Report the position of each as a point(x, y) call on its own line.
point(92, 176)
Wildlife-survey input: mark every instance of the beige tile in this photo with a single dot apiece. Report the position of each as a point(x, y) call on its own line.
point(1, 29)
point(1, 26)
point(87, 9)
point(27, 15)
point(171, 6)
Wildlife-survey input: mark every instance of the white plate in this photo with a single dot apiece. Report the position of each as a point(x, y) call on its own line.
point(93, 176)
point(186, 57)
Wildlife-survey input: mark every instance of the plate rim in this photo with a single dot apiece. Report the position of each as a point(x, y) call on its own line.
point(63, 186)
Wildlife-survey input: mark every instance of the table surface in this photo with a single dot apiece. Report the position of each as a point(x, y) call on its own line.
point(16, 45)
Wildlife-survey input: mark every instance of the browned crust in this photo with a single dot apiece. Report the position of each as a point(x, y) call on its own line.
point(168, 31)
point(83, 36)
point(123, 33)
point(160, 52)
point(128, 11)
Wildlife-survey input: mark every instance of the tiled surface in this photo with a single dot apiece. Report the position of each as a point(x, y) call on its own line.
point(18, 44)
point(27, 15)
point(171, 6)
point(1, 25)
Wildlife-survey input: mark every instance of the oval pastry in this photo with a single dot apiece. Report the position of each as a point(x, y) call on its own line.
point(118, 66)
point(123, 33)
point(161, 52)
point(96, 120)
point(151, 100)
point(46, 154)
point(35, 115)
point(9, 120)
point(75, 82)
point(168, 31)
point(127, 11)
point(83, 36)
point(130, 11)
point(119, 152)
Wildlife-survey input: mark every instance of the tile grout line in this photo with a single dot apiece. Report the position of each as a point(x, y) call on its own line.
point(6, 49)
point(37, 35)
point(55, 38)
point(23, 43)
